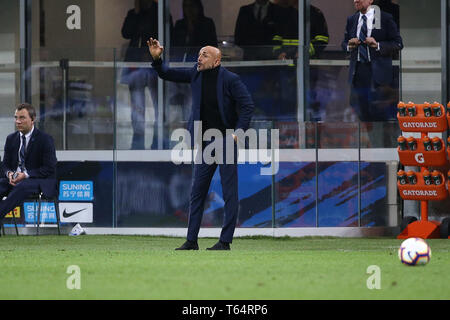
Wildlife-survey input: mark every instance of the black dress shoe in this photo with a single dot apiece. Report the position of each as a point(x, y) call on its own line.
point(220, 246)
point(188, 245)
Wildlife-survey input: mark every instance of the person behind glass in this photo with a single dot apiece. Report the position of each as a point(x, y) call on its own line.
point(29, 162)
point(256, 25)
point(140, 24)
point(220, 101)
point(371, 50)
point(194, 31)
point(287, 40)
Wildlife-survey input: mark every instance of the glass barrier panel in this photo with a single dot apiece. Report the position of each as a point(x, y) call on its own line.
point(337, 174)
point(295, 180)
point(9, 91)
point(137, 100)
point(75, 91)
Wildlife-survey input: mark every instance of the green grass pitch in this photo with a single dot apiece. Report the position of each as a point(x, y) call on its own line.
point(144, 267)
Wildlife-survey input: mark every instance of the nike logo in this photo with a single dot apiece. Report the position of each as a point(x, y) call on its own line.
point(69, 214)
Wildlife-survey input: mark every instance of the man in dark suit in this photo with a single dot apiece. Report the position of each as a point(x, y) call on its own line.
point(220, 101)
point(371, 38)
point(29, 163)
point(256, 26)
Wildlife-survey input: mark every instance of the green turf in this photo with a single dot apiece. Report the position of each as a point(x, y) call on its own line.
point(142, 267)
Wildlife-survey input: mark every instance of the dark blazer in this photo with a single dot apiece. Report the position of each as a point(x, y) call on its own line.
point(235, 102)
point(381, 61)
point(204, 34)
point(40, 159)
point(139, 28)
point(250, 33)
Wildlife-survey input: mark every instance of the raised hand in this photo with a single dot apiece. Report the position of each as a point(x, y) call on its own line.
point(155, 48)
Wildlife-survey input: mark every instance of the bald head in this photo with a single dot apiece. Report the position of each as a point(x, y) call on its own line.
point(208, 58)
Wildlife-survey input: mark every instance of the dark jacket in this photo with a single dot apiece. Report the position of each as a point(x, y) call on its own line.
point(287, 39)
point(251, 33)
point(139, 28)
point(381, 61)
point(204, 34)
point(186, 48)
point(235, 102)
point(40, 159)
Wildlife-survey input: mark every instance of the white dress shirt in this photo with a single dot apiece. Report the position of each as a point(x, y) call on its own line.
point(370, 14)
point(27, 139)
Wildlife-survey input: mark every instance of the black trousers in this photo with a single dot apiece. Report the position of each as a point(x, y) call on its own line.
point(371, 101)
point(362, 91)
point(16, 195)
point(202, 176)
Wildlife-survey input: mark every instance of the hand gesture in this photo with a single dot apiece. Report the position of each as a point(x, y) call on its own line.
point(353, 43)
point(10, 176)
point(371, 42)
point(155, 48)
point(14, 180)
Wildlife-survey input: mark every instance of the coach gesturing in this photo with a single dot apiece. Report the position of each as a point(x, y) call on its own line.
point(220, 101)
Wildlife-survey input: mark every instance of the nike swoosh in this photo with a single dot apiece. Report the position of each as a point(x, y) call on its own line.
point(69, 214)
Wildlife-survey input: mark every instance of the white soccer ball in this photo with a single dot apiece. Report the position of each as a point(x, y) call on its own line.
point(414, 251)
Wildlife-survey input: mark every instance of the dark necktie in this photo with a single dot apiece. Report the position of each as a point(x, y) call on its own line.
point(22, 153)
point(259, 14)
point(363, 53)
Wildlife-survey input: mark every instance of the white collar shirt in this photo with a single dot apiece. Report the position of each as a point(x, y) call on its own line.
point(27, 139)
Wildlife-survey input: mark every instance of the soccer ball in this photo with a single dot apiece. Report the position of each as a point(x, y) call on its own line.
point(414, 251)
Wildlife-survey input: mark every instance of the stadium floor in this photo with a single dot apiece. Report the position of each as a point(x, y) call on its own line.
point(260, 268)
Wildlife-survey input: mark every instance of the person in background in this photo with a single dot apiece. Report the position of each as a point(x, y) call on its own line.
point(371, 51)
point(29, 162)
point(194, 31)
point(140, 24)
point(256, 26)
point(287, 38)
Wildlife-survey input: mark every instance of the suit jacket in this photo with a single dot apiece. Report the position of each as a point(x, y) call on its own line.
point(40, 159)
point(250, 32)
point(204, 34)
point(139, 28)
point(235, 103)
point(390, 42)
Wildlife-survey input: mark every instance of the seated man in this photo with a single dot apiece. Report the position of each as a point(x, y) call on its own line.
point(29, 163)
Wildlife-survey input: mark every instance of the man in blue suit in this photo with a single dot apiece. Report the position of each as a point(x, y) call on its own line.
point(29, 163)
point(371, 38)
point(220, 101)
